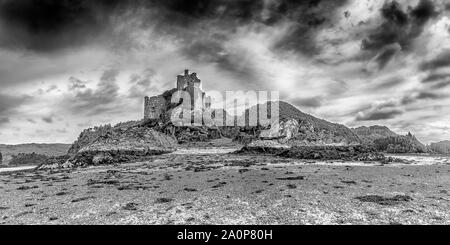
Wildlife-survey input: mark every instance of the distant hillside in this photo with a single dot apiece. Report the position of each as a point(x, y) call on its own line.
point(305, 129)
point(442, 147)
point(23, 159)
point(386, 140)
point(369, 134)
point(400, 144)
point(45, 149)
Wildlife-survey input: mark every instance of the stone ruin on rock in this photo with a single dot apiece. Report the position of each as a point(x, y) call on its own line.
point(158, 107)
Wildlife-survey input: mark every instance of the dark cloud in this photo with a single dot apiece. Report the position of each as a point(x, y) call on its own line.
point(109, 76)
point(51, 88)
point(75, 83)
point(392, 108)
point(428, 95)
point(91, 101)
point(379, 115)
point(233, 13)
point(49, 25)
point(386, 55)
point(380, 111)
point(207, 25)
point(201, 27)
point(182, 12)
point(441, 85)
point(10, 102)
point(399, 27)
point(46, 26)
point(142, 84)
point(389, 83)
point(312, 102)
point(416, 96)
point(442, 60)
point(238, 64)
point(435, 77)
point(4, 120)
point(48, 119)
point(9, 105)
point(307, 17)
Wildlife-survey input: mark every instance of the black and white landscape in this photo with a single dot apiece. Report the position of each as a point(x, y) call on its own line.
point(109, 112)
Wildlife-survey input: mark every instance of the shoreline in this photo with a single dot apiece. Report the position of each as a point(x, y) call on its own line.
point(16, 169)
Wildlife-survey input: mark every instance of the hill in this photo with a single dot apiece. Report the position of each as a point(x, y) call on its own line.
point(442, 147)
point(384, 139)
point(44, 149)
point(124, 142)
point(400, 144)
point(369, 134)
point(299, 128)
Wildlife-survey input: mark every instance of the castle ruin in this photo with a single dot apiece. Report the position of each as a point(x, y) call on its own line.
point(156, 107)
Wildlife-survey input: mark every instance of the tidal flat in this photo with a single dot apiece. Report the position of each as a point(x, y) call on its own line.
point(215, 186)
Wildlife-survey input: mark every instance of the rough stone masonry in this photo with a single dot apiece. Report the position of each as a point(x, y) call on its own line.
point(156, 107)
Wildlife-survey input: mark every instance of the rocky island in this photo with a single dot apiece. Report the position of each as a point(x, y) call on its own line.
point(301, 170)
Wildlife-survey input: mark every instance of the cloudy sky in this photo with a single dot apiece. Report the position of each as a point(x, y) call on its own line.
point(66, 65)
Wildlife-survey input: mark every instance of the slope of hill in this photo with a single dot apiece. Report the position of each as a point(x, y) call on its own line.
point(305, 129)
point(384, 139)
point(442, 147)
point(45, 149)
point(400, 144)
point(369, 134)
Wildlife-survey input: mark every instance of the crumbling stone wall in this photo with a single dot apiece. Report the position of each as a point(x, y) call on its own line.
point(187, 80)
point(154, 107)
point(157, 107)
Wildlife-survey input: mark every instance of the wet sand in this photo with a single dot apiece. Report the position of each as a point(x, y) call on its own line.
point(13, 169)
point(215, 187)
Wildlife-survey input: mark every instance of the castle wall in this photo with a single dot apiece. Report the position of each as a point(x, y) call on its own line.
point(196, 97)
point(154, 107)
point(181, 82)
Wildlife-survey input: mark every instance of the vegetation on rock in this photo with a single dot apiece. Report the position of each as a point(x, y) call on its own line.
point(28, 159)
point(369, 134)
point(125, 142)
point(44, 149)
point(350, 153)
point(400, 144)
point(305, 129)
point(383, 139)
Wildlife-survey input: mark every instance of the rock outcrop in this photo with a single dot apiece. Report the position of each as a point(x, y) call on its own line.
point(383, 139)
point(302, 136)
point(345, 153)
point(125, 142)
point(369, 134)
point(400, 144)
point(296, 128)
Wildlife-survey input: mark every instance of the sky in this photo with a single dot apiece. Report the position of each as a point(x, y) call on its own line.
point(67, 65)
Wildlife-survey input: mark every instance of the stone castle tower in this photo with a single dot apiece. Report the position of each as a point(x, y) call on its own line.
point(155, 107)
